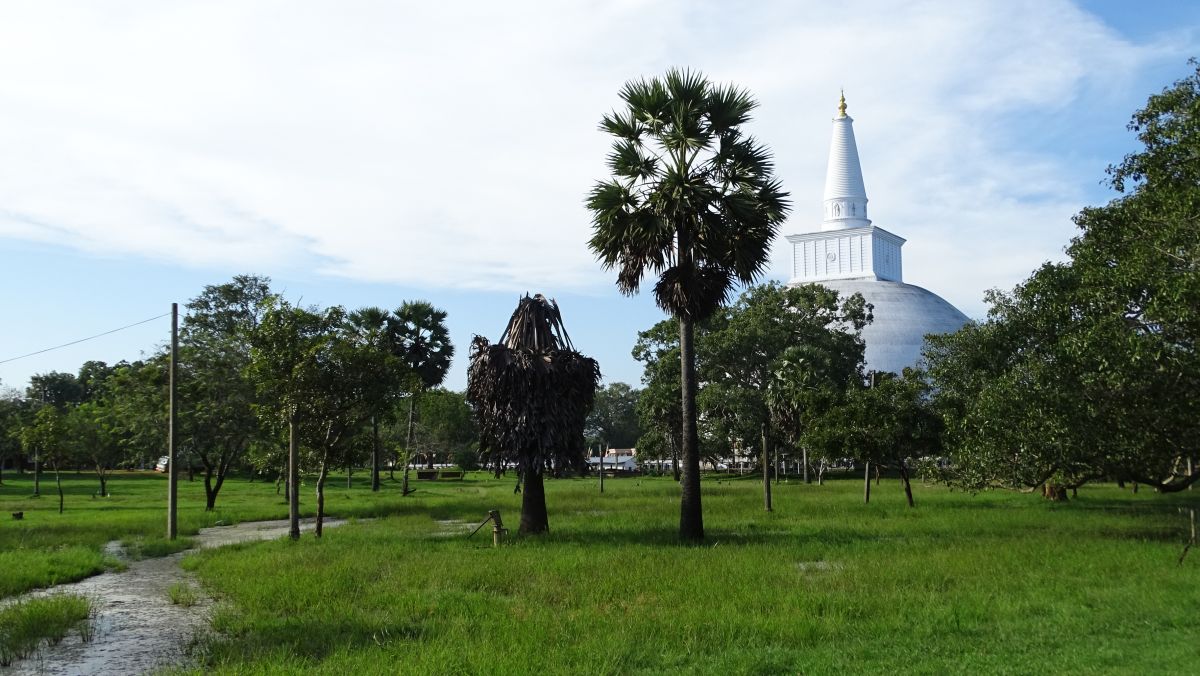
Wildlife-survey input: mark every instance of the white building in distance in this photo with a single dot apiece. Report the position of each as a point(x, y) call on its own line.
point(850, 255)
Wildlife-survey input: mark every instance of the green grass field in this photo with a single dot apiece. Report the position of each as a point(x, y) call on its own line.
point(991, 583)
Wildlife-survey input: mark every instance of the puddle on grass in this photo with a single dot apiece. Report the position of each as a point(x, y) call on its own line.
point(448, 528)
point(136, 628)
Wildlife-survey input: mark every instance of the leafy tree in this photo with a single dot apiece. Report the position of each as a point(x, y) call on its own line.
point(749, 344)
point(13, 412)
point(1090, 368)
point(46, 437)
point(369, 327)
point(55, 388)
point(885, 423)
point(217, 420)
point(692, 200)
point(447, 427)
point(659, 404)
point(346, 381)
point(531, 393)
point(418, 330)
point(91, 379)
point(284, 364)
point(92, 440)
point(135, 395)
point(614, 419)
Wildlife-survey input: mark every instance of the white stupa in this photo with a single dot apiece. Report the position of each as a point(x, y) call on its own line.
point(850, 255)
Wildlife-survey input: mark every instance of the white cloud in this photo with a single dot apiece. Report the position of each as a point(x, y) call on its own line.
point(452, 144)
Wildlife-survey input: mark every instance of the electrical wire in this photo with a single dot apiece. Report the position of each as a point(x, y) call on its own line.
point(84, 340)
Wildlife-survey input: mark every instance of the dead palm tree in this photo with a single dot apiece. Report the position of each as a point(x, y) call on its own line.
point(531, 393)
point(692, 200)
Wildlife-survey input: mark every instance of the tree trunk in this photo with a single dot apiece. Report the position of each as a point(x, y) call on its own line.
point(375, 455)
point(804, 452)
point(212, 487)
point(349, 473)
point(766, 469)
point(412, 402)
point(691, 516)
point(321, 494)
point(907, 485)
point(1054, 492)
point(293, 478)
point(58, 482)
point(37, 475)
point(675, 464)
point(103, 482)
point(533, 504)
point(867, 483)
point(876, 474)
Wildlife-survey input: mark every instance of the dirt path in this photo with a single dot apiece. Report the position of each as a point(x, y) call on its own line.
point(137, 628)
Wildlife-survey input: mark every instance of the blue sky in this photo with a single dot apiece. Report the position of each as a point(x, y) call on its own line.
point(372, 153)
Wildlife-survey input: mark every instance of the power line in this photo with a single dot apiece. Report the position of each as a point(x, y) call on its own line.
point(83, 340)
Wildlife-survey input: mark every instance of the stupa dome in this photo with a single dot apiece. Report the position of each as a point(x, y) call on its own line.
point(904, 314)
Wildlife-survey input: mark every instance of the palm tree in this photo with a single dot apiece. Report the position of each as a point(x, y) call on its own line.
point(531, 393)
point(693, 201)
point(418, 330)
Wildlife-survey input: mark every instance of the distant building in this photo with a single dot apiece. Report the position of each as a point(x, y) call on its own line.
point(850, 255)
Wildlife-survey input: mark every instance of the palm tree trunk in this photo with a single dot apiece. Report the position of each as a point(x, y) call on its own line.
point(533, 504)
point(691, 518)
point(293, 478)
point(412, 400)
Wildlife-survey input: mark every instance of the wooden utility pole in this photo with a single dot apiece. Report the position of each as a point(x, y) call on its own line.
point(766, 465)
point(172, 470)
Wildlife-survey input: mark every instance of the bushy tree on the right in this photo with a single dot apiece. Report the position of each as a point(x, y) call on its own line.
point(1090, 368)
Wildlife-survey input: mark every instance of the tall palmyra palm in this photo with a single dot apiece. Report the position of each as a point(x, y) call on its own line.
point(418, 330)
point(531, 393)
point(694, 201)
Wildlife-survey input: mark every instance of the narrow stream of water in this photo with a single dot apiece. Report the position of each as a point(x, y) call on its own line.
point(137, 629)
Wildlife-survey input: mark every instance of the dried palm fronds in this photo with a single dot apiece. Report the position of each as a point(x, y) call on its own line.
point(531, 392)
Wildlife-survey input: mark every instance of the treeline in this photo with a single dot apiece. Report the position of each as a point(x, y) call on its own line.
point(254, 373)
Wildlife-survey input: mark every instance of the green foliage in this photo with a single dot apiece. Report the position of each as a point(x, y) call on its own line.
point(692, 199)
point(1089, 368)
point(26, 625)
point(773, 359)
point(613, 421)
point(55, 388)
point(217, 420)
point(446, 426)
point(418, 331)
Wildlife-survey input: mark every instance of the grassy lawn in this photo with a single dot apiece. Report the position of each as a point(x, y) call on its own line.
point(992, 583)
point(47, 548)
